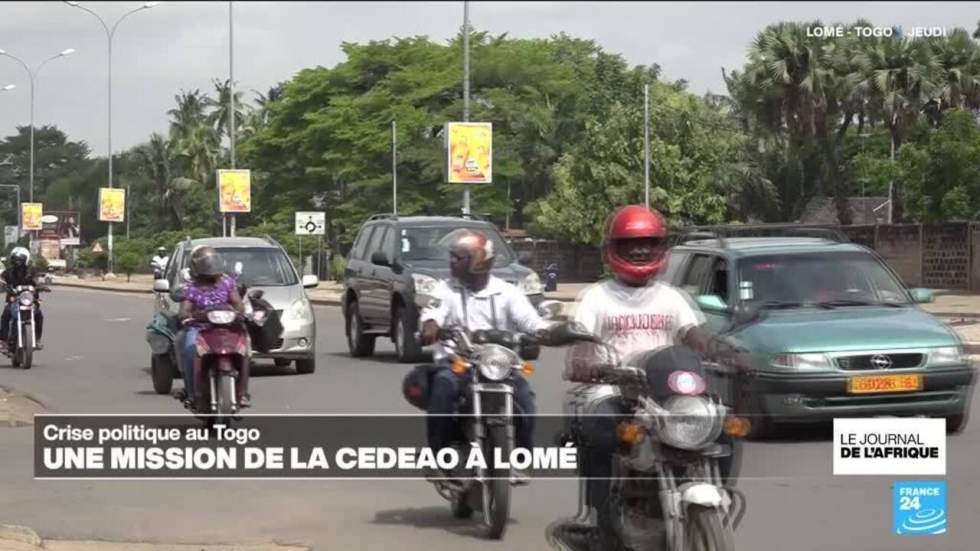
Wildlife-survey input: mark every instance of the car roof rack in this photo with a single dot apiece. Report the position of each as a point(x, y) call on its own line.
point(776, 230)
point(382, 216)
point(698, 235)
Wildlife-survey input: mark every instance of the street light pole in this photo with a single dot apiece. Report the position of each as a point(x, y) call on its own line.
point(110, 33)
point(32, 74)
point(231, 95)
point(646, 144)
point(466, 89)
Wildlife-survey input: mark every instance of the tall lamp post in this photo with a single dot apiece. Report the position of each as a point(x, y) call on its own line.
point(32, 73)
point(110, 32)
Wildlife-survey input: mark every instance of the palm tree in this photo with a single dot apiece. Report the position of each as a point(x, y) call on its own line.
point(902, 75)
point(200, 150)
point(189, 113)
point(220, 107)
point(958, 60)
point(156, 157)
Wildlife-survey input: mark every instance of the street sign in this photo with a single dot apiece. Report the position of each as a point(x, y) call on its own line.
point(469, 152)
point(97, 248)
point(311, 223)
point(112, 204)
point(31, 214)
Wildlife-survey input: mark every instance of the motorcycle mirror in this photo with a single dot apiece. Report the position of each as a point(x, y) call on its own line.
point(550, 309)
point(239, 268)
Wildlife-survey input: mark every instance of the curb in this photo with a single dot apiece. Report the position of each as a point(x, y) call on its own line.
point(109, 289)
point(19, 534)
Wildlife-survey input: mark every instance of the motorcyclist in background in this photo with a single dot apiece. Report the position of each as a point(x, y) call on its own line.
point(19, 273)
point(159, 262)
point(209, 287)
point(475, 300)
point(633, 312)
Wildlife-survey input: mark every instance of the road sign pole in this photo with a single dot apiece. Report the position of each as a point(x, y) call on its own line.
point(302, 266)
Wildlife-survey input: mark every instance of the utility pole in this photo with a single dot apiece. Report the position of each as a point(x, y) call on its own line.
point(231, 95)
point(394, 168)
point(466, 88)
point(646, 144)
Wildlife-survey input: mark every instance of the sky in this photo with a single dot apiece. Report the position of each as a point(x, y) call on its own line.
point(184, 45)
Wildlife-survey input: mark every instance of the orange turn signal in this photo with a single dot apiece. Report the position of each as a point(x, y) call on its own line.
point(739, 427)
point(459, 365)
point(527, 369)
point(630, 434)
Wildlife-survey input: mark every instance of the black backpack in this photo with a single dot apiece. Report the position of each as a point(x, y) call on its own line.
point(416, 385)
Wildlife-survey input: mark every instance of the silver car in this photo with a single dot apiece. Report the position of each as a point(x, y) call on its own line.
point(266, 266)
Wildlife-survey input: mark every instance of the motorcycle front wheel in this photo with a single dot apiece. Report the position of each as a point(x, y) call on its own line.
point(495, 516)
point(26, 352)
point(226, 398)
point(705, 530)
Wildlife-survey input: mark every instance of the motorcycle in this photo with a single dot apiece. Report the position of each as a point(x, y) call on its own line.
point(491, 359)
point(22, 341)
point(666, 489)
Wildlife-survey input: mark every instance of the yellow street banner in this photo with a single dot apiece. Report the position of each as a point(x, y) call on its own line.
point(31, 215)
point(235, 190)
point(469, 152)
point(112, 204)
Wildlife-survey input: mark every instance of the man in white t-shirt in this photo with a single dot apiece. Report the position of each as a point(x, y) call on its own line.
point(632, 313)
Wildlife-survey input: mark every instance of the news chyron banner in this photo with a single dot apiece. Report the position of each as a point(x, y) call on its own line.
point(31, 215)
point(235, 191)
point(112, 204)
point(469, 152)
point(277, 447)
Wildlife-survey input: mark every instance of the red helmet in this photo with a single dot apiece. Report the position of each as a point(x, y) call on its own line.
point(635, 222)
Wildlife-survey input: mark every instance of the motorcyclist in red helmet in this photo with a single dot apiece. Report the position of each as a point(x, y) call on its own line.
point(633, 313)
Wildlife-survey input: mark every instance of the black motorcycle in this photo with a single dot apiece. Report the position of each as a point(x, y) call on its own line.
point(22, 339)
point(667, 489)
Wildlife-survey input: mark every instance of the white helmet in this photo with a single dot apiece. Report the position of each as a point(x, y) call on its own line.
point(20, 256)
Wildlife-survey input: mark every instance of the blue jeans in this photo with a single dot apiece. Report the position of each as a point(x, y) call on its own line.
point(185, 348)
point(446, 389)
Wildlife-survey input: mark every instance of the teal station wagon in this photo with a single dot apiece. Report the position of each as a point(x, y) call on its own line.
point(841, 336)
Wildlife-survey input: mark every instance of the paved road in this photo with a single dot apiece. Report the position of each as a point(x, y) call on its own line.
point(96, 360)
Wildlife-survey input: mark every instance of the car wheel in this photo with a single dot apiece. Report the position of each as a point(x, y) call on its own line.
point(306, 366)
point(358, 343)
point(956, 423)
point(407, 346)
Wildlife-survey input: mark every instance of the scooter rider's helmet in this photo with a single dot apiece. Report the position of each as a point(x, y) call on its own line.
point(206, 262)
point(470, 250)
point(161, 251)
point(20, 257)
point(635, 245)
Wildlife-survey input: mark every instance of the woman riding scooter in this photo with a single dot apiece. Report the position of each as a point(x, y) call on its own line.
point(210, 287)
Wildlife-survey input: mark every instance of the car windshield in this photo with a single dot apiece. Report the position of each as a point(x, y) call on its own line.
point(263, 267)
point(422, 243)
point(827, 280)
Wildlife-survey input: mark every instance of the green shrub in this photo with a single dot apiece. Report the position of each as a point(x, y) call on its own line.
point(337, 268)
point(40, 264)
point(127, 262)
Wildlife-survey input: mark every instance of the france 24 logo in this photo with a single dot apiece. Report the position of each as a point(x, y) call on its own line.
point(919, 508)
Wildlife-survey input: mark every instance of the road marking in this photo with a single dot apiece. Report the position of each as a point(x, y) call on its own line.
point(118, 319)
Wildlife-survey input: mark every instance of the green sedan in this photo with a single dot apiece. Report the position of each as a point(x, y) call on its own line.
point(841, 335)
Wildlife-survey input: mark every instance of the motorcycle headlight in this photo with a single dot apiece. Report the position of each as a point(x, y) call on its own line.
point(496, 362)
point(425, 285)
point(693, 422)
point(802, 361)
point(26, 298)
point(221, 317)
point(299, 310)
point(946, 355)
point(531, 285)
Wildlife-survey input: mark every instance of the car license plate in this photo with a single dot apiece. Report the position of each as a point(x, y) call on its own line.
point(873, 384)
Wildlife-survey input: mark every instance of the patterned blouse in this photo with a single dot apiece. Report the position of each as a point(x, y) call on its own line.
point(204, 297)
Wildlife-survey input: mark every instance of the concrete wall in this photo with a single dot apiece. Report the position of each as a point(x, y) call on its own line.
point(901, 246)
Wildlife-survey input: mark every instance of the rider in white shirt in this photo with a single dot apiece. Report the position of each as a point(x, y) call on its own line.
point(476, 300)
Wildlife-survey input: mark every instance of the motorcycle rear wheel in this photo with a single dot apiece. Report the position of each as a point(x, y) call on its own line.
point(705, 530)
point(495, 519)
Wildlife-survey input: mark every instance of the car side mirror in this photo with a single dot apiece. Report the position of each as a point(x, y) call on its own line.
point(423, 301)
point(922, 296)
point(712, 303)
point(744, 314)
point(239, 269)
point(161, 286)
point(524, 258)
point(379, 258)
point(310, 281)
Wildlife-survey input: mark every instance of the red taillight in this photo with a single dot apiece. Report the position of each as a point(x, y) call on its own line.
point(686, 383)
